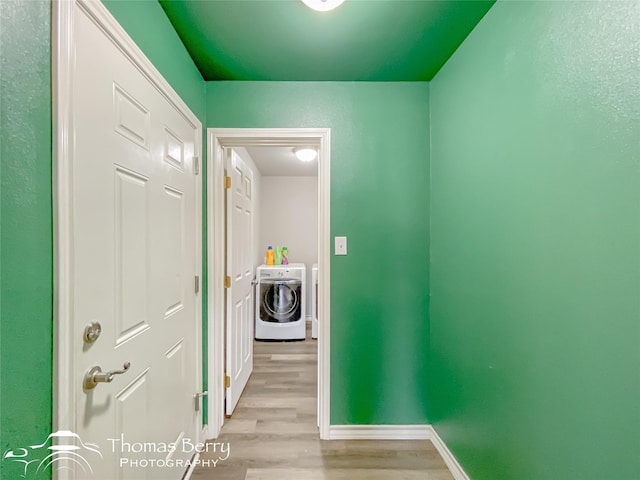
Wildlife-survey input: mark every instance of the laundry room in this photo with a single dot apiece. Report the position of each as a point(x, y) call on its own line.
point(285, 221)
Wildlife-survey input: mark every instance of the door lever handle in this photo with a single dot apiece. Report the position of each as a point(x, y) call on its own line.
point(95, 375)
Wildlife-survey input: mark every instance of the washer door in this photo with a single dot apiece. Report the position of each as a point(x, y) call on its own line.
point(280, 300)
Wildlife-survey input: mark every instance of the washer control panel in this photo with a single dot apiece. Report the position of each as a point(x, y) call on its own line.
point(281, 271)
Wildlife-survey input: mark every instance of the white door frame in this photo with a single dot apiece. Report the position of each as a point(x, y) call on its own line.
point(63, 58)
point(217, 140)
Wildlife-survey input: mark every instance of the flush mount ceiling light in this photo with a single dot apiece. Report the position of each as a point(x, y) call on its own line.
point(305, 154)
point(323, 5)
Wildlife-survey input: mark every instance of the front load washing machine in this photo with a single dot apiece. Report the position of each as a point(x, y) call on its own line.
point(280, 305)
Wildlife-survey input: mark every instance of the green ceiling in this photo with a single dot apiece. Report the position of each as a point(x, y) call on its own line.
point(284, 40)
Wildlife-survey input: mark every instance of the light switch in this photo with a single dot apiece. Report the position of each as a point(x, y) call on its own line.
point(341, 245)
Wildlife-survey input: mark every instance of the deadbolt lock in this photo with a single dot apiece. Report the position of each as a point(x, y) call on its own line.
point(91, 332)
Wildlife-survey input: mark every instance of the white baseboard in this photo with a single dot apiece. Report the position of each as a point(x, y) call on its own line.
point(452, 464)
point(380, 432)
point(399, 432)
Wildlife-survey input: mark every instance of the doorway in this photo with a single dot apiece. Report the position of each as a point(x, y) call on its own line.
point(217, 141)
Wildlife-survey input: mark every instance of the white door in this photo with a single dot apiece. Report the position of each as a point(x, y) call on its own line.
point(239, 326)
point(134, 262)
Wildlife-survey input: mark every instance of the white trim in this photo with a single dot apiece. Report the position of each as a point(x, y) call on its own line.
point(380, 432)
point(63, 64)
point(217, 138)
point(215, 306)
point(324, 291)
point(452, 463)
point(62, 61)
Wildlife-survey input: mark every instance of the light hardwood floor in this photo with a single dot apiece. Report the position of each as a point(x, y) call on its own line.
point(272, 434)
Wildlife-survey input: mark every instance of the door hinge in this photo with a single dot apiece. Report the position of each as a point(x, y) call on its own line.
point(227, 381)
point(227, 282)
point(227, 182)
point(196, 165)
point(197, 284)
point(197, 398)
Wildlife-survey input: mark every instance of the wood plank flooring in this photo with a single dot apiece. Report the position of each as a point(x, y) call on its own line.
point(273, 434)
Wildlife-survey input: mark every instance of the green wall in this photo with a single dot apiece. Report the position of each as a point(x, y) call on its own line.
point(26, 253)
point(535, 245)
point(380, 201)
point(25, 228)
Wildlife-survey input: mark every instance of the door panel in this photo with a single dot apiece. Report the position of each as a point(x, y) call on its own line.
point(239, 348)
point(131, 257)
point(134, 259)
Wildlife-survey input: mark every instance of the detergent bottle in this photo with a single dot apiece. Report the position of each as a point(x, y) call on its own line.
point(278, 256)
point(285, 256)
point(270, 255)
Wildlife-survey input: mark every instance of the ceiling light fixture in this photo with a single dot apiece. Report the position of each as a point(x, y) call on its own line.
point(306, 154)
point(323, 5)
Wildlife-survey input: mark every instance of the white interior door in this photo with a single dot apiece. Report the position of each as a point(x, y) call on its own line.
point(134, 261)
point(239, 326)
